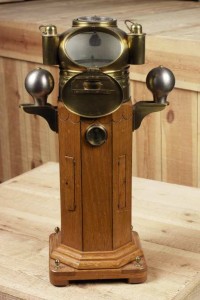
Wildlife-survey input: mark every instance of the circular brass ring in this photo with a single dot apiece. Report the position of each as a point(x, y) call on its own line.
point(96, 135)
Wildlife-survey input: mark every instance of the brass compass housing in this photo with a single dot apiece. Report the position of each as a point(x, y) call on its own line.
point(94, 58)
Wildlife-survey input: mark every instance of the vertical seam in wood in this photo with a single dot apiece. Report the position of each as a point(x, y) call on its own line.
point(120, 206)
point(161, 142)
point(81, 193)
point(112, 183)
point(74, 166)
point(198, 140)
point(70, 204)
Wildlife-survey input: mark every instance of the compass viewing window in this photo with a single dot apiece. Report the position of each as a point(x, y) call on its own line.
point(93, 48)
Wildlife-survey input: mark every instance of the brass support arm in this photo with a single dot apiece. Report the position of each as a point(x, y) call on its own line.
point(142, 109)
point(48, 112)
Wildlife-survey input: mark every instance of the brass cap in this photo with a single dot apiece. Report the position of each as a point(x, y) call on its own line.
point(48, 30)
point(94, 21)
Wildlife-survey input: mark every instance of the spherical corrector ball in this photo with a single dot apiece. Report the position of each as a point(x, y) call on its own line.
point(160, 81)
point(39, 83)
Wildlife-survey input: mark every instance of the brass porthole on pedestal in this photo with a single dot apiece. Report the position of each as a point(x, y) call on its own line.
point(96, 135)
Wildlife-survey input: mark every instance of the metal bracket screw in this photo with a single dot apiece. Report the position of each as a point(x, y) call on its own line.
point(57, 263)
point(138, 262)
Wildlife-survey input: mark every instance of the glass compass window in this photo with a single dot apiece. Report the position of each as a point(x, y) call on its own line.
point(93, 49)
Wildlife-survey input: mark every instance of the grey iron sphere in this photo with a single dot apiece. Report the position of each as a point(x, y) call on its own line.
point(39, 83)
point(160, 81)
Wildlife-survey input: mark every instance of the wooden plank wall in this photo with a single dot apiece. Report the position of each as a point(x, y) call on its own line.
point(167, 145)
point(198, 140)
point(26, 140)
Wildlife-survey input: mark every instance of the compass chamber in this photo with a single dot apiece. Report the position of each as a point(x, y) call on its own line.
point(94, 57)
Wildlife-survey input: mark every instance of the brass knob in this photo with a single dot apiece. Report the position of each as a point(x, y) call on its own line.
point(39, 83)
point(160, 81)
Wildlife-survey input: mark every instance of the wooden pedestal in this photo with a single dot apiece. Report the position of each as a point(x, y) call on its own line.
point(96, 239)
point(100, 264)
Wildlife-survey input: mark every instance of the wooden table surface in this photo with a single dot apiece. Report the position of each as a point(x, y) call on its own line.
point(165, 215)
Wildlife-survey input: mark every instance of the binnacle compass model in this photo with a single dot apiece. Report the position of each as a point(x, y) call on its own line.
point(94, 118)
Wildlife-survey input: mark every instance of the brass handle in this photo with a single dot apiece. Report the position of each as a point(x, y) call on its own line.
point(93, 91)
point(135, 28)
point(129, 26)
point(92, 85)
point(42, 28)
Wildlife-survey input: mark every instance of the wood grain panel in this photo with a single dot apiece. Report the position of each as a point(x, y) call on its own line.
point(147, 139)
point(179, 139)
point(169, 154)
point(21, 42)
point(71, 205)
point(12, 139)
point(25, 140)
point(69, 178)
point(198, 138)
point(97, 191)
point(122, 164)
point(1, 166)
point(122, 181)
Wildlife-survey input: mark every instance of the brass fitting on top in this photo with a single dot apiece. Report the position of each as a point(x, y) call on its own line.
point(136, 43)
point(50, 44)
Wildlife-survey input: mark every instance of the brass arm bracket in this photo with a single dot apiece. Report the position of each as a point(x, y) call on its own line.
point(39, 84)
point(143, 108)
point(48, 112)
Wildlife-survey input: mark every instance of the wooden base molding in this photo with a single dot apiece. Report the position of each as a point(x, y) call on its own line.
point(67, 264)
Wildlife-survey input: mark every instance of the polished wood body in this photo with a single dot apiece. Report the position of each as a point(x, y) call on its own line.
point(95, 197)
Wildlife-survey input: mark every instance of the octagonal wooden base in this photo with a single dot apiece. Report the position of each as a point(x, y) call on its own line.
point(77, 265)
